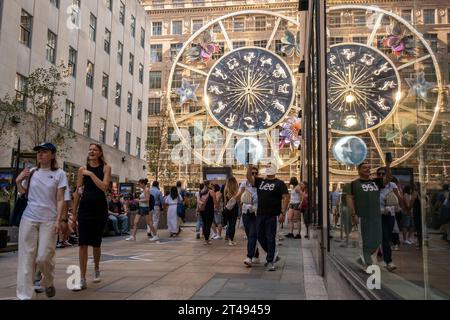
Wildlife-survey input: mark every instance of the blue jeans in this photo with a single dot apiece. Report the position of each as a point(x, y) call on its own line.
point(122, 219)
point(249, 220)
point(266, 227)
point(231, 227)
point(199, 224)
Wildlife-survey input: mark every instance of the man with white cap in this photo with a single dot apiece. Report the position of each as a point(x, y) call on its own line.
point(273, 200)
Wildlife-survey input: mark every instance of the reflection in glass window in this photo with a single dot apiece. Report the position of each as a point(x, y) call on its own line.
point(196, 25)
point(238, 24)
point(429, 16)
point(157, 28)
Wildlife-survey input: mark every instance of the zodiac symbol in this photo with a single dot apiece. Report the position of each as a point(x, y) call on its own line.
point(232, 63)
point(220, 108)
point(249, 57)
point(350, 121)
point(249, 125)
point(231, 119)
point(367, 59)
point(218, 73)
point(265, 61)
point(279, 72)
point(370, 118)
point(332, 59)
point(388, 85)
point(267, 122)
point(381, 104)
point(348, 53)
point(384, 68)
point(278, 106)
point(214, 89)
point(284, 88)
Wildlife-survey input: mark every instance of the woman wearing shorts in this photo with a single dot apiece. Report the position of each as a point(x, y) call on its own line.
point(294, 209)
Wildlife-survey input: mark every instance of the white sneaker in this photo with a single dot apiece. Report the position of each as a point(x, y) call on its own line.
point(155, 238)
point(395, 248)
point(217, 237)
point(97, 277)
point(391, 267)
point(248, 262)
point(130, 238)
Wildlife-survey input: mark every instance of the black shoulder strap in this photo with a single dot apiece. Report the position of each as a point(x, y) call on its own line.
point(28, 182)
point(352, 185)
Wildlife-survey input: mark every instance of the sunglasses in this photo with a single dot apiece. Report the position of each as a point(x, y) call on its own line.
point(381, 173)
point(254, 172)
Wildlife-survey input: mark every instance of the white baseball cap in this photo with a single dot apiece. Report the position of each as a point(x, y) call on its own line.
point(271, 170)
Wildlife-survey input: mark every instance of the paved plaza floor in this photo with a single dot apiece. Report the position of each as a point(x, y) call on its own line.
point(181, 268)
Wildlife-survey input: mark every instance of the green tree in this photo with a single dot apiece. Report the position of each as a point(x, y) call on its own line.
point(9, 114)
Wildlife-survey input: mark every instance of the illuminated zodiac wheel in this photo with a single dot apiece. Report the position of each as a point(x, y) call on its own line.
point(384, 88)
point(224, 91)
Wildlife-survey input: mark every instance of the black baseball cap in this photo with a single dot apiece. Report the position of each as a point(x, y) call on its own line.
point(45, 146)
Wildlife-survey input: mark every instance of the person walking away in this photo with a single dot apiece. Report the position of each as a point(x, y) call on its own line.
point(273, 201)
point(218, 218)
point(91, 209)
point(363, 200)
point(407, 217)
point(206, 206)
point(42, 220)
point(144, 211)
point(181, 208)
point(294, 209)
point(159, 203)
point(231, 208)
point(249, 200)
point(172, 218)
point(199, 224)
point(304, 207)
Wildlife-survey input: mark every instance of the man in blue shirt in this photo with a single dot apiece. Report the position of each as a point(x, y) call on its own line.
point(159, 201)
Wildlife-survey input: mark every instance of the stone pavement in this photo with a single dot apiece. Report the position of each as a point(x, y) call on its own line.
point(181, 268)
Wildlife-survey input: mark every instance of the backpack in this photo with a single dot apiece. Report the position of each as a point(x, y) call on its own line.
point(202, 200)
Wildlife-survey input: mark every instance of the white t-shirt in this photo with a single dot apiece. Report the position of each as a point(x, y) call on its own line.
point(42, 203)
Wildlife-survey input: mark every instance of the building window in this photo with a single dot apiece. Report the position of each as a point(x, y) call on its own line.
point(154, 106)
point(109, 4)
point(68, 117)
point(116, 137)
point(120, 53)
point(158, 4)
point(155, 53)
point(72, 62)
point(260, 43)
point(133, 26)
point(196, 24)
point(122, 13)
point(336, 40)
point(174, 49)
point(26, 24)
point(141, 73)
point(55, 3)
point(105, 85)
point(131, 64)
point(177, 79)
point(51, 47)
point(359, 39)
point(448, 43)
point(198, 3)
point(130, 103)
point(157, 28)
point(177, 27)
point(118, 95)
point(334, 19)
point(92, 27)
point(260, 23)
point(139, 110)
point(429, 16)
point(90, 75)
point(448, 15)
point(432, 40)
point(87, 123)
point(153, 134)
point(359, 18)
point(128, 142)
point(138, 147)
point(20, 86)
point(407, 15)
point(142, 38)
point(178, 3)
point(107, 45)
point(238, 44)
point(75, 14)
point(155, 79)
point(238, 24)
point(102, 133)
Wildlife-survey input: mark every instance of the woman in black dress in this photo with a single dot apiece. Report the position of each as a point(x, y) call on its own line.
point(92, 215)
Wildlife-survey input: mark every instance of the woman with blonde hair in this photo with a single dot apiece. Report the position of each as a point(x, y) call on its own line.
point(230, 210)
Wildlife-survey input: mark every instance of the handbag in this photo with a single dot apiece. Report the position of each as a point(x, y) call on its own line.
point(20, 205)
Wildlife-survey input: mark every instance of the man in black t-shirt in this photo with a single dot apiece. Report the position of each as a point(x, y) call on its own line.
point(273, 200)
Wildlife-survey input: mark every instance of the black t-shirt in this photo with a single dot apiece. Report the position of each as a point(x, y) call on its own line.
point(270, 194)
